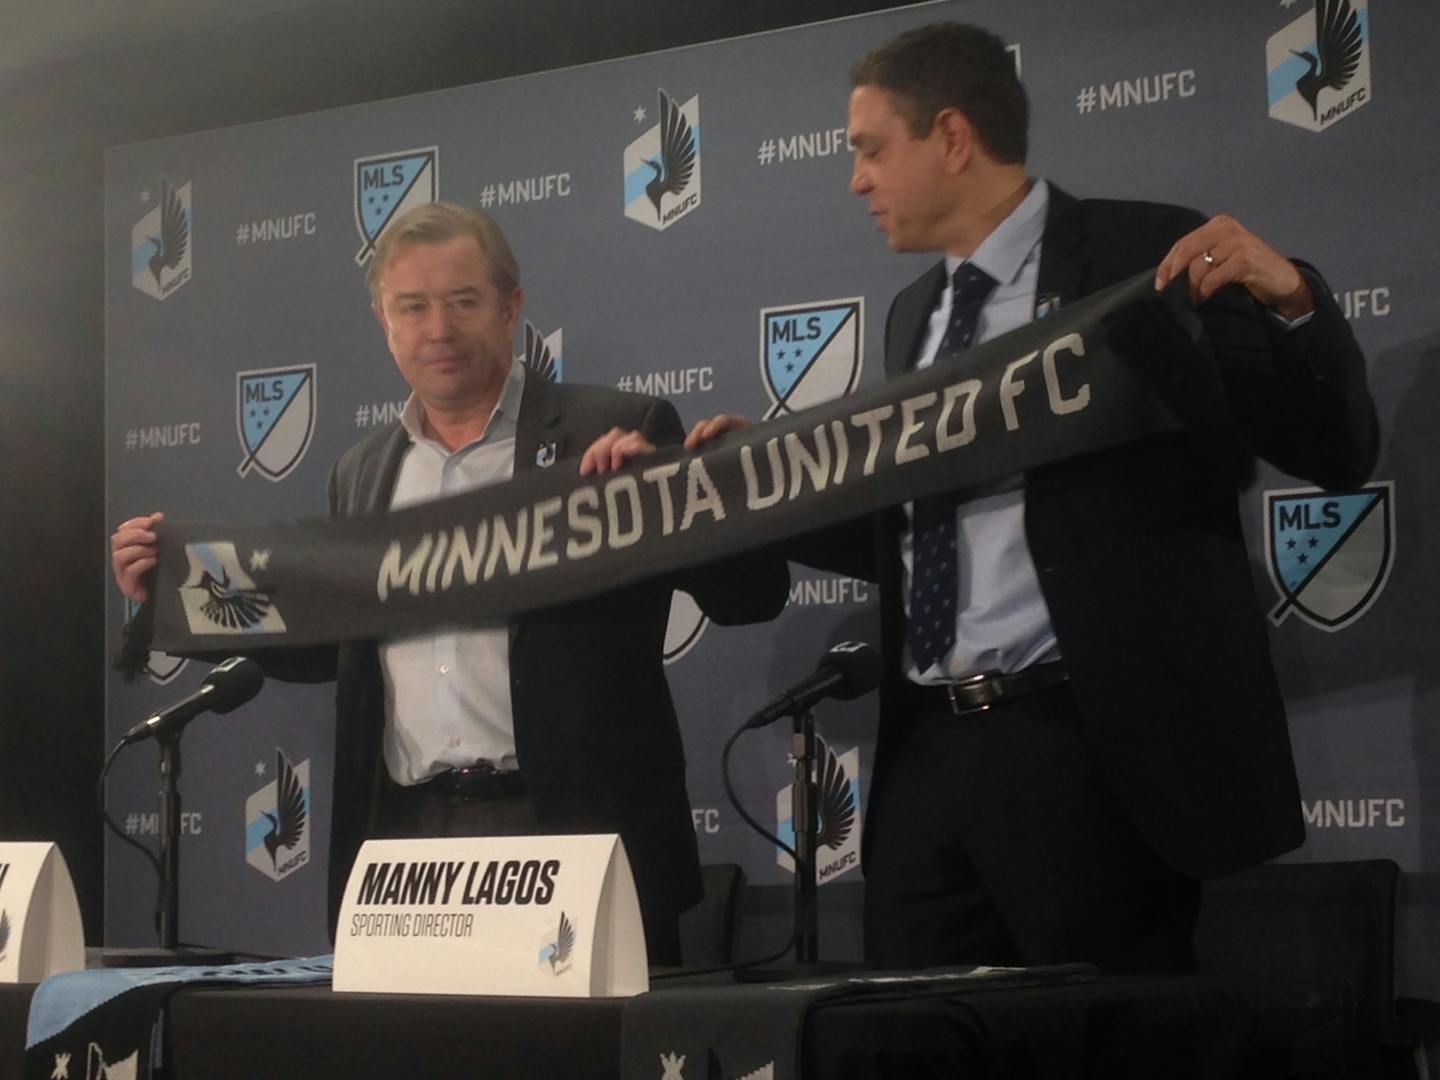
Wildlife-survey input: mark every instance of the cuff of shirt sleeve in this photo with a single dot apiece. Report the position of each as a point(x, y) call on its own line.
point(1291, 324)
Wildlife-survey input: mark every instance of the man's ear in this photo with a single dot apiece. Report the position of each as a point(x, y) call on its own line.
point(957, 138)
point(515, 303)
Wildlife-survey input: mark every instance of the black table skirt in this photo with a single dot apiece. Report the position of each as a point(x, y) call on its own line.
point(1116, 1027)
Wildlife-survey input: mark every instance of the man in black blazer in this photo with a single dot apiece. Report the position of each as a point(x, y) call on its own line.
point(560, 721)
point(1079, 716)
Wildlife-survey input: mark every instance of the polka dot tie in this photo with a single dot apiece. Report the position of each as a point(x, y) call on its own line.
point(934, 579)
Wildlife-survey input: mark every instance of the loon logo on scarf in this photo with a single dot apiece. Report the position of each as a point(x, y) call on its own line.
point(221, 598)
point(1045, 392)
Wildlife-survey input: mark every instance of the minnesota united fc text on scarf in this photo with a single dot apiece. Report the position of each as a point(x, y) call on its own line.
point(1050, 390)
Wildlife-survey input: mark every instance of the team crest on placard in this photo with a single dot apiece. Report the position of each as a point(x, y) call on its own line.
point(219, 597)
point(837, 843)
point(160, 255)
point(277, 821)
point(161, 667)
point(1329, 554)
point(662, 166)
point(559, 951)
point(275, 418)
point(1319, 65)
point(386, 186)
point(687, 623)
point(543, 355)
point(810, 353)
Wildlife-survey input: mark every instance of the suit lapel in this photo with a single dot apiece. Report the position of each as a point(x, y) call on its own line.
point(538, 434)
point(384, 469)
point(1064, 269)
point(909, 319)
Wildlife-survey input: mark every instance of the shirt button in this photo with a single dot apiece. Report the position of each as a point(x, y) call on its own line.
point(444, 669)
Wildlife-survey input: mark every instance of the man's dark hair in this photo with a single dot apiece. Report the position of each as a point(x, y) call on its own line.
point(953, 66)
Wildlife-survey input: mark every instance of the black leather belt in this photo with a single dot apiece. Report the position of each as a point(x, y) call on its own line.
point(479, 781)
point(980, 692)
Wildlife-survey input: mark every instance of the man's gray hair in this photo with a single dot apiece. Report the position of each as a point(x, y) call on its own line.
point(435, 223)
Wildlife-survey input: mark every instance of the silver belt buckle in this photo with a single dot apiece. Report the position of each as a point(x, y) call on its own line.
point(975, 694)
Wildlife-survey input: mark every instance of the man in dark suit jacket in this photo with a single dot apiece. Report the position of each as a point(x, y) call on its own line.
point(561, 721)
point(1094, 724)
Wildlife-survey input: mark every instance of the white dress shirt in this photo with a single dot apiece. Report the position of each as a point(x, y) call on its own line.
point(447, 694)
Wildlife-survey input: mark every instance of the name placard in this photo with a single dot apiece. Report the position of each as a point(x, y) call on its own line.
point(543, 916)
point(40, 930)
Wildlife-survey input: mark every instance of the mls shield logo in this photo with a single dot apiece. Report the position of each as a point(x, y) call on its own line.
point(219, 597)
point(275, 417)
point(837, 843)
point(543, 355)
point(277, 821)
point(160, 243)
point(1319, 65)
point(161, 667)
point(687, 623)
point(1328, 554)
point(662, 166)
point(810, 353)
point(386, 186)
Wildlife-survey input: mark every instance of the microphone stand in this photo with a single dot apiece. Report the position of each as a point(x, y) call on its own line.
point(167, 915)
point(805, 814)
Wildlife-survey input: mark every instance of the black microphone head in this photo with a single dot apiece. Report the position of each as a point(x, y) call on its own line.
point(857, 664)
point(233, 683)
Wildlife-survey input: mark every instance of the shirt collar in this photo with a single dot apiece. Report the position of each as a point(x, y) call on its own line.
point(412, 416)
point(1003, 253)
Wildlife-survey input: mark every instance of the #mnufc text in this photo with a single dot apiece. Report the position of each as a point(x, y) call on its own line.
point(612, 515)
point(514, 881)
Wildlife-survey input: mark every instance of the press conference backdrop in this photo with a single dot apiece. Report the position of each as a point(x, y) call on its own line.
point(241, 361)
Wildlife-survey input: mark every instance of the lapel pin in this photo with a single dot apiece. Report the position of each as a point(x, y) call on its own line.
point(1047, 305)
point(545, 455)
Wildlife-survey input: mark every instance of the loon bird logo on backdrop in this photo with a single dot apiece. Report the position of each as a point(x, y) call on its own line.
point(275, 417)
point(810, 353)
point(1319, 65)
point(219, 597)
point(160, 243)
point(277, 817)
point(1329, 554)
point(686, 623)
point(837, 843)
point(386, 186)
point(543, 356)
point(662, 166)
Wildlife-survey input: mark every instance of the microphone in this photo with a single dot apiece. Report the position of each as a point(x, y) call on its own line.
point(228, 686)
point(848, 670)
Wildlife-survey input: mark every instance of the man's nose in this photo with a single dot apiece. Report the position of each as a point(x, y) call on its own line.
point(438, 324)
point(859, 180)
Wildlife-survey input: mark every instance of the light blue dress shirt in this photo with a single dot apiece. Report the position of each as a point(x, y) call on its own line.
point(1002, 623)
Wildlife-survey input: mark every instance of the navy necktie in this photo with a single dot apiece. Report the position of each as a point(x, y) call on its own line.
point(934, 579)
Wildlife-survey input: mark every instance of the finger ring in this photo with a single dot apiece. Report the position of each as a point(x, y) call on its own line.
point(1209, 259)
